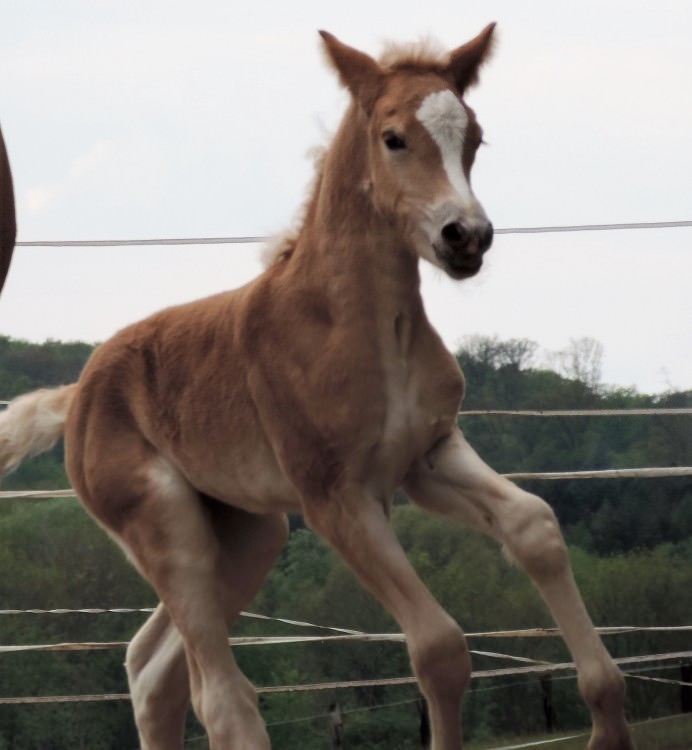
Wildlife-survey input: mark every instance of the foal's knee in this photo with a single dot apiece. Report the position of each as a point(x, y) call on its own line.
point(532, 536)
point(441, 661)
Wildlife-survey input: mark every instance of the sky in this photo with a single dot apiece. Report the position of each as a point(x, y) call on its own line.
point(151, 119)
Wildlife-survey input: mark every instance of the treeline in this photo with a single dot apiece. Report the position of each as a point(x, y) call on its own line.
point(631, 546)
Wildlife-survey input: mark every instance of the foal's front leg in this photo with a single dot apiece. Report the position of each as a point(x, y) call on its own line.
point(357, 526)
point(454, 481)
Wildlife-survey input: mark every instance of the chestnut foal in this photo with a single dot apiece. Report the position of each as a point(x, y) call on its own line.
point(319, 388)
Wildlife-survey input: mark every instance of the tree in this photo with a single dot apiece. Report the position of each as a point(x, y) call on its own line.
point(582, 362)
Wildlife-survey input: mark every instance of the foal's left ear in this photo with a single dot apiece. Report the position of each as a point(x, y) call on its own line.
point(361, 75)
point(465, 61)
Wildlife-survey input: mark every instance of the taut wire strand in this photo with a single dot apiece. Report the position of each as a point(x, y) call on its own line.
point(256, 239)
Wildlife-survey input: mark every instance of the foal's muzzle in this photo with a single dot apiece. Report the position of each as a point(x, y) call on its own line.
point(461, 247)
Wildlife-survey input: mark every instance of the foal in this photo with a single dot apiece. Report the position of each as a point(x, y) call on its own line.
point(318, 388)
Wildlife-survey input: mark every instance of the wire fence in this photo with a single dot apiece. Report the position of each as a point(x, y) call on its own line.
point(342, 637)
point(257, 239)
point(624, 473)
point(641, 473)
point(631, 665)
point(529, 666)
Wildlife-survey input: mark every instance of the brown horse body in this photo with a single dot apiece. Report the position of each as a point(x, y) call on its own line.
point(8, 224)
point(320, 388)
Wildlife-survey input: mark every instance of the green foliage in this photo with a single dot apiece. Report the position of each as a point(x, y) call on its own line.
point(25, 366)
point(631, 548)
point(53, 556)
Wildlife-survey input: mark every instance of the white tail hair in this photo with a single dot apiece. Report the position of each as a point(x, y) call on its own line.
point(32, 424)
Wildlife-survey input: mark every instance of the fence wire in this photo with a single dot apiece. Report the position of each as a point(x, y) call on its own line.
point(258, 239)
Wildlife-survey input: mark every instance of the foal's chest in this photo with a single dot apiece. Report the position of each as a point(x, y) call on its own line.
point(424, 387)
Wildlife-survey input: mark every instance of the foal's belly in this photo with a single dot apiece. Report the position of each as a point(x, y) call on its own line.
point(249, 479)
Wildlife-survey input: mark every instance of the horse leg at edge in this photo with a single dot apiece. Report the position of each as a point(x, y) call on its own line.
point(358, 527)
point(454, 481)
point(156, 663)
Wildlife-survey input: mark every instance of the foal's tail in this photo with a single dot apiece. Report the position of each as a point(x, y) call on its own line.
point(33, 423)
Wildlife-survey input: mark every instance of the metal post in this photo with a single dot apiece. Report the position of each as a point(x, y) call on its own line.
point(548, 707)
point(686, 690)
point(424, 725)
point(336, 727)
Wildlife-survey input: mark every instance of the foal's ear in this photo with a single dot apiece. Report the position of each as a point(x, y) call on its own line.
point(465, 61)
point(361, 75)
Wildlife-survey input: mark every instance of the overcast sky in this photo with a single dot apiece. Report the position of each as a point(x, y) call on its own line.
point(178, 119)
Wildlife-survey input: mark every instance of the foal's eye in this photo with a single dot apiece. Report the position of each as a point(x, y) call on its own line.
point(393, 141)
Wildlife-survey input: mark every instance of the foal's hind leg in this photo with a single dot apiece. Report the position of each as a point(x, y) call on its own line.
point(454, 481)
point(159, 682)
point(169, 531)
point(156, 664)
point(249, 546)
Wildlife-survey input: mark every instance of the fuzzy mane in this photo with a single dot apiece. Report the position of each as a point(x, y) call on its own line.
point(280, 246)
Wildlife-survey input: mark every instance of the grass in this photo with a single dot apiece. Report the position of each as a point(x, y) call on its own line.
point(668, 733)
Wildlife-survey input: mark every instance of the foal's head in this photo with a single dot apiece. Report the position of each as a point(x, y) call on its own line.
point(423, 140)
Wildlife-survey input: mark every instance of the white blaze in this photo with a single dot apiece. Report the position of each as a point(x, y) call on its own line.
point(446, 119)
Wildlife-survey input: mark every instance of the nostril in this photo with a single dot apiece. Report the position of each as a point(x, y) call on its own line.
point(455, 233)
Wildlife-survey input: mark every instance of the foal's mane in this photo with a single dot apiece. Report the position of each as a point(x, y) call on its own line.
point(280, 247)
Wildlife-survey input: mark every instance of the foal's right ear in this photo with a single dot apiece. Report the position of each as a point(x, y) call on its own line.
point(361, 75)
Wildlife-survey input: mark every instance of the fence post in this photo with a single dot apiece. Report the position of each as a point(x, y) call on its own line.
point(424, 725)
point(686, 690)
point(548, 707)
point(336, 726)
